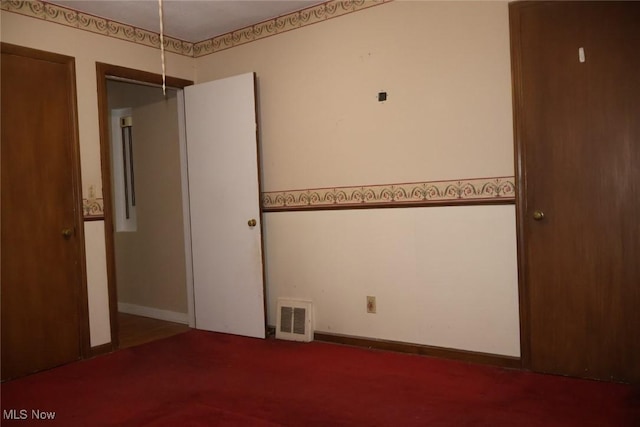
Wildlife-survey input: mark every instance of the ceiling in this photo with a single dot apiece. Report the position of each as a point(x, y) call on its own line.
point(188, 20)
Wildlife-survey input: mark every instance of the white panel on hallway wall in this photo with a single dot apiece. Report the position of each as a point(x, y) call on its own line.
point(444, 276)
point(122, 172)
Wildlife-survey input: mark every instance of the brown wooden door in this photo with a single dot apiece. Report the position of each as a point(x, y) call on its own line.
point(43, 294)
point(578, 145)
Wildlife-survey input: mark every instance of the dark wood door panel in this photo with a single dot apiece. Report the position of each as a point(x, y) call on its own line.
point(578, 144)
point(42, 282)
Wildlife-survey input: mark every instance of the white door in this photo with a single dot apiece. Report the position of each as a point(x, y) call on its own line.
point(224, 199)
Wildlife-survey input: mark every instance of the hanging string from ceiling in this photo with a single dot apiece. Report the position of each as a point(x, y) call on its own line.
point(164, 76)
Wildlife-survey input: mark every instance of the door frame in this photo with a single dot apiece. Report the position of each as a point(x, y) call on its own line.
point(520, 180)
point(103, 73)
point(78, 220)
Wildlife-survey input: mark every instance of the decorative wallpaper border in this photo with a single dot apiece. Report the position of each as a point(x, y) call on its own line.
point(462, 191)
point(83, 21)
point(93, 209)
point(466, 191)
point(302, 18)
point(94, 24)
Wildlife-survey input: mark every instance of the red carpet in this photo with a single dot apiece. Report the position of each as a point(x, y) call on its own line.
point(207, 379)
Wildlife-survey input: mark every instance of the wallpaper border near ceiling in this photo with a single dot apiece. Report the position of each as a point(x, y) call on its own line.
point(87, 22)
point(84, 21)
point(459, 191)
point(282, 24)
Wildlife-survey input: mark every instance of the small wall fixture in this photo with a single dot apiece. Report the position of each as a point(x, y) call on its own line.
point(126, 123)
point(123, 165)
point(382, 96)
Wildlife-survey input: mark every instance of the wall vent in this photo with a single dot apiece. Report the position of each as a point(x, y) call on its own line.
point(294, 320)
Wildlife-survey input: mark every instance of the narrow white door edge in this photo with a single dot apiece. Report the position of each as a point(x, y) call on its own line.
point(186, 213)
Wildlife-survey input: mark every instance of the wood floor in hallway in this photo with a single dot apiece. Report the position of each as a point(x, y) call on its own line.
point(135, 330)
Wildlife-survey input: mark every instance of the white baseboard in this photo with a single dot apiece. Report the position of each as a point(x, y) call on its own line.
point(154, 313)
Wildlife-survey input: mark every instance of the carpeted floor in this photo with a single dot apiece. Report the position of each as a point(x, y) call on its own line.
point(207, 379)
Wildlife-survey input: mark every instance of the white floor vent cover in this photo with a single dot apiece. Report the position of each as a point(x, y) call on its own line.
point(295, 320)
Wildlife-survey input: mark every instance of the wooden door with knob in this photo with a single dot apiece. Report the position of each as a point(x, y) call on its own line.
point(577, 104)
point(44, 314)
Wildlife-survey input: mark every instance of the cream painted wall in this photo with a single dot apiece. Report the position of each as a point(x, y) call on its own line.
point(442, 276)
point(444, 65)
point(150, 262)
point(89, 48)
point(97, 283)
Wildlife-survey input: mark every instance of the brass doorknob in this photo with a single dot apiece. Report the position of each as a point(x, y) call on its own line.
point(252, 223)
point(67, 232)
point(538, 215)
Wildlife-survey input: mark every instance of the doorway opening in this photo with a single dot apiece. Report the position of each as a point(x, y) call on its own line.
point(142, 139)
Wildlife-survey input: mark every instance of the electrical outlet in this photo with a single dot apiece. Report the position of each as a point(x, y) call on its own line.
point(371, 304)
